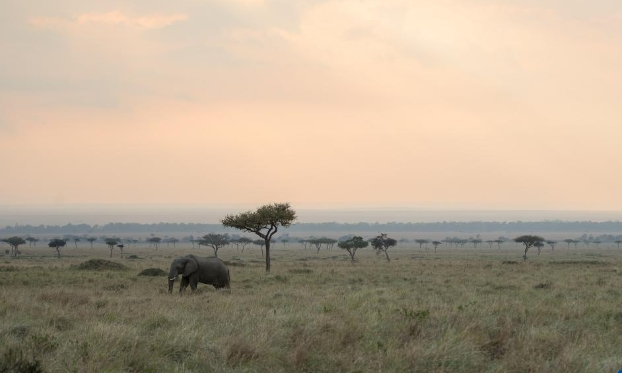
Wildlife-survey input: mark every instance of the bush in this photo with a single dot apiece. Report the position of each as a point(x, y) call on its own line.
point(100, 265)
point(152, 272)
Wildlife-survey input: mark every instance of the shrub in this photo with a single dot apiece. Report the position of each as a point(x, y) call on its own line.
point(152, 272)
point(100, 265)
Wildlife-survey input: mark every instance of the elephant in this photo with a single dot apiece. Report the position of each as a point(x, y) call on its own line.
point(211, 271)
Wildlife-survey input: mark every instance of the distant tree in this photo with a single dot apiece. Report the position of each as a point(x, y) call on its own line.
point(155, 241)
point(499, 242)
point(329, 242)
point(284, 241)
point(264, 222)
point(575, 242)
point(317, 242)
point(568, 241)
point(475, 242)
point(490, 242)
point(215, 241)
point(421, 242)
point(597, 242)
point(111, 243)
point(261, 244)
point(552, 244)
point(32, 241)
point(75, 241)
point(539, 246)
point(618, 242)
point(528, 241)
point(436, 243)
point(352, 245)
point(244, 241)
point(403, 240)
point(91, 240)
point(15, 242)
point(57, 243)
point(121, 247)
point(383, 243)
point(172, 240)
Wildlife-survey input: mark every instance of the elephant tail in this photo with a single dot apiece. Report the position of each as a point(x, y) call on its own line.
point(228, 279)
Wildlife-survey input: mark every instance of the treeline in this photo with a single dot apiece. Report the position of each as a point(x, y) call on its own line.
point(326, 228)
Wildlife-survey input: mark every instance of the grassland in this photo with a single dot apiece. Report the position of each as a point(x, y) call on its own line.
point(459, 310)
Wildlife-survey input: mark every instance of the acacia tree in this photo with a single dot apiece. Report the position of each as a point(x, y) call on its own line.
point(91, 240)
point(539, 246)
point(568, 241)
point(155, 241)
point(528, 241)
point(111, 242)
point(261, 244)
point(264, 222)
point(245, 241)
point(552, 244)
point(436, 243)
point(14, 242)
point(215, 241)
point(383, 243)
point(352, 245)
point(618, 242)
point(32, 241)
point(57, 243)
point(421, 241)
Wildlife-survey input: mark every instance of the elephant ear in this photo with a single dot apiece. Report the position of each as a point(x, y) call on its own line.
point(190, 267)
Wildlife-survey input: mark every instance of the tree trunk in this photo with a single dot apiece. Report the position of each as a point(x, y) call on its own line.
point(111, 251)
point(267, 239)
point(215, 252)
point(58, 251)
point(525, 256)
point(386, 253)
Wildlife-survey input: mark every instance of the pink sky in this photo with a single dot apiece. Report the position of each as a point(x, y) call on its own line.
point(478, 104)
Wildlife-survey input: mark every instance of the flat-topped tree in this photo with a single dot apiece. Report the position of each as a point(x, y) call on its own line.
point(32, 241)
point(57, 243)
point(215, 241)
point(618, 242)
point(264, 222)
point(111, 242)
point(353, 244)
point(383, 243)
point(14, 242)
point(529, 241)
point(91, 240)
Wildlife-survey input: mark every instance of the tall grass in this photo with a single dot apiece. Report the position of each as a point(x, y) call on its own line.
point(454, 311)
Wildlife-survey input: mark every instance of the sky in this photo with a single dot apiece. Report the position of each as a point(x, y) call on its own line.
point(445, 104)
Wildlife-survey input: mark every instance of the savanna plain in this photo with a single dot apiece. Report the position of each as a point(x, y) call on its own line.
point(456, 310)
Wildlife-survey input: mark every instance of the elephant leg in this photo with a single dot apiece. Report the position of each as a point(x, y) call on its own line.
point(194, 281)
point(184, 284)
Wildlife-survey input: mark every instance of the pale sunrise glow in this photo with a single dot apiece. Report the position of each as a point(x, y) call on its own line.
point(417, 104)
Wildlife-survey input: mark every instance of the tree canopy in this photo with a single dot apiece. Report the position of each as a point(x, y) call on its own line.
point(264, 222)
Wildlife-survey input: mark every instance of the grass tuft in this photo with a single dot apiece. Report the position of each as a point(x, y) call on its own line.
point(241, 352)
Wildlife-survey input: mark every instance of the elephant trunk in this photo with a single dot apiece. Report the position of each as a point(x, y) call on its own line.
point(171, 279)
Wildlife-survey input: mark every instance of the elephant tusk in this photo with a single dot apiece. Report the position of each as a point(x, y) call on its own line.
point(172, 279)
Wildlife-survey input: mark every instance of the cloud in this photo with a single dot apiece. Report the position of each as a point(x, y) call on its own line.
point(114, 18)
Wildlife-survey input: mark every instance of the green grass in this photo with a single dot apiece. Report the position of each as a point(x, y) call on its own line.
point(459, 310)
